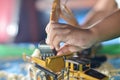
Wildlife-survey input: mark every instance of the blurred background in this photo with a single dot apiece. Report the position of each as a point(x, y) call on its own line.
point(22, 28)
point(25, 20)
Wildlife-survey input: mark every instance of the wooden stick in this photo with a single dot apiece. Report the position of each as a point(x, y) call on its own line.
point(55, 13)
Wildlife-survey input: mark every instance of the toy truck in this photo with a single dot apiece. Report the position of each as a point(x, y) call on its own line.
point(47, 66)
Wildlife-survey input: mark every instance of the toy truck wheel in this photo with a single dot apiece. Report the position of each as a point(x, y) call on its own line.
point(31, 73)
point(40, 75)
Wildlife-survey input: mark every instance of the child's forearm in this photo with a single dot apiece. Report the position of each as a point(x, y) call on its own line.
point(100, 10)
point(108, 28)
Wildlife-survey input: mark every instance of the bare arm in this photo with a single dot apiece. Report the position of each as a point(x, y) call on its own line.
point(108, 28)
point(101, 9)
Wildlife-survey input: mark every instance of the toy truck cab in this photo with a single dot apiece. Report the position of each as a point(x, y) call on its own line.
point(77, 64)
point(79, 69)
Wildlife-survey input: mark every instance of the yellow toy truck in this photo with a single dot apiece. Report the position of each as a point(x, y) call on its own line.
point(46, 66)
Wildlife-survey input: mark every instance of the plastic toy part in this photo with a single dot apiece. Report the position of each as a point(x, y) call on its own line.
point(64, 67)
